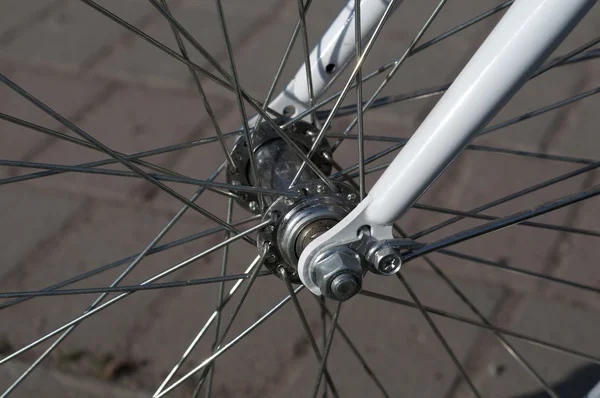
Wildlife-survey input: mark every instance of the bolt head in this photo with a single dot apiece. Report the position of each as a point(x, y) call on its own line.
point(386, 260)
point(253, 206)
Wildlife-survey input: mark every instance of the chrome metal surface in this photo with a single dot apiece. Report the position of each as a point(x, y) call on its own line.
point(338, 273)
point(276, 162)
point(298, 221)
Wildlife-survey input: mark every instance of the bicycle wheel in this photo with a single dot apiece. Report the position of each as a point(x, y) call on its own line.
point(138, 188)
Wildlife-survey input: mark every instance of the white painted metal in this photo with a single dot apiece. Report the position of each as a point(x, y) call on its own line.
point(521, 41)
point(335, 48)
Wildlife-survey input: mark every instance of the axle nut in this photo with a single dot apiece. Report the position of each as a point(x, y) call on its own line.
point(338, 273)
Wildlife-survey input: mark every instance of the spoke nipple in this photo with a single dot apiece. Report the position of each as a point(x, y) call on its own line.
point(320, 189)
point(253, 206)
point(351, 197)
point(288, 201)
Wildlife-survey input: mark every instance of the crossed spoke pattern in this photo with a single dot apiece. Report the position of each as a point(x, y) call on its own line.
point(227, 76)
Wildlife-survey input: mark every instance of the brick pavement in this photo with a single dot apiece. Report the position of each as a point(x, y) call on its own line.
point(133, 98)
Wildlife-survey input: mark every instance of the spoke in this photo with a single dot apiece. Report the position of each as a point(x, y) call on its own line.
point(238, 92)
point(502, 223)
point(570, 58)
point(118, 263)
point(539, 111)
point(204, 328)
point(520, 271)
point(510, 197)
point(323, 302)
point(391, 74)
point(371, 159)
point(156, 43)
point(391, 6)
point(201, 92)
point(131, 288)
point(566, 57)
point(234, 314)
point(220, 296)
point(226, 347)
point(123, 295)
point(323, 364)
point(116, 156)
point(311, 94)
point(216, 186)
point(359, 101)
point(423, 46)
point(354, 350)
point(438, 334)
point(134, 158)
point(465, 214)
point(283, 273)
point(537, 155)
point(509, 348)
point(100, 298)
point(519, 336)
point(104, 162)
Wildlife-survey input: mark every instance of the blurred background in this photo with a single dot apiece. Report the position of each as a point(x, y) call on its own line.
point(133, 98)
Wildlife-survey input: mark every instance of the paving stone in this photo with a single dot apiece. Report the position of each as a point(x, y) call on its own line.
point(105, 234)
point(57, 40)
point(20, 14)
point(31, 216)
point(22, 143)
point(135, 59)
point(397, 342)
point(131, 120)
point(559, 323)
point(52, 383)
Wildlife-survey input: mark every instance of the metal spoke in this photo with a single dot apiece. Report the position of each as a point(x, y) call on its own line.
point(156, 249)
point(390, 7)
point(217, 187)
point(220, 296)
point(539, 111)
point(123, 295)
point(519, 336)
point(227, 346)
point(502, 223)
point(311, 93)
point(438, 334)
point(283, 273)
point(323, 363)
point(483, 148)
point(100, 298)
point(391, 74)
point(201, 92)
point(510, 197)
point(507, 346)
point(104, 162)
point(520, 271)
point(234, 314)
point(359, 101)
point(479, 216)
point(422, 47)
point(354, 350)
point(204, 328)
point(115, 155)
point(566, 57)
point(130, 288)
point(238, 92)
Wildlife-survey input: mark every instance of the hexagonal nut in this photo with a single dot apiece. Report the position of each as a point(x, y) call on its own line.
point(384, 260)
point(338, 272)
